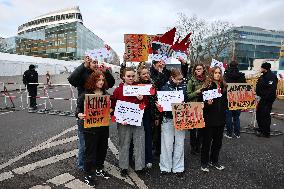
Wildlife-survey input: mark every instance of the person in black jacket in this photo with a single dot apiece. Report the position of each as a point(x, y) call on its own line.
point(233, 75)
point(214, 117)
point(31, 76)
point(78, 79)
point(159, 75)
point(96, 138)
point(266, 89)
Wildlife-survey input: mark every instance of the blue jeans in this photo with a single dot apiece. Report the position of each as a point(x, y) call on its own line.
point(233, 122)
point(81, 145)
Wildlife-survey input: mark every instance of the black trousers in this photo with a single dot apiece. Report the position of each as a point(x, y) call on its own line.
point(157, 136)
point(96, 145)
point(32, 93)
point(195, 140)
point(211, 144)
point(263, 116)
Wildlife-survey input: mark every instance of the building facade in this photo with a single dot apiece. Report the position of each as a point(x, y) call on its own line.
point(59, 35)
point(255, 43)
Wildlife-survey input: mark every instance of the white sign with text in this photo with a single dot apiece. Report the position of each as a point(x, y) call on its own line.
point(135, 90)
point(166, 98)
point(128, 113)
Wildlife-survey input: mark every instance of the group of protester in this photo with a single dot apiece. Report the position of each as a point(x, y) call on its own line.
point(157, 131)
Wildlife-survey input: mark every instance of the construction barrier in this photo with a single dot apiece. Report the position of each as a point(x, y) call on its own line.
point(7, 96)
point(46, 97)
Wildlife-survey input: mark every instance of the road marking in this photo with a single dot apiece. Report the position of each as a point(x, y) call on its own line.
point(40, 187)
point(75, 184)
point(6, 112)
point(36, 148)
point(6, 175)
point(45, 162)
point(61, 179)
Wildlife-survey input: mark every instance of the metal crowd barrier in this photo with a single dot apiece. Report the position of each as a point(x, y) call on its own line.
point(51, 110)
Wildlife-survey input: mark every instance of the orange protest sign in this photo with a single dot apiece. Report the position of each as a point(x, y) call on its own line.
point(188, 115)
point(97, 110)
point(241, 96)
point(136, 47)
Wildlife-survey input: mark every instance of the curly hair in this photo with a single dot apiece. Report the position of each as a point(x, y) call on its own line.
point(90, 84)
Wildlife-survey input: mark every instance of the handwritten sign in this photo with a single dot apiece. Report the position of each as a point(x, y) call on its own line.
point(129, 113)
point(134, 90)
point(97, 110)
point(188, 115)
point(166, 98)
point(179, 54)
point(241, 96)
point(211, 94)
point(136, 47)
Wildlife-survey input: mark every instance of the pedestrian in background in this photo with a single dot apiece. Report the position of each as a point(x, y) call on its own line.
point(266, 89)
point(31, 76)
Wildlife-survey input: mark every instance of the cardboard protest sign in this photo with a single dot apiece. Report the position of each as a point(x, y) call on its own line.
point(97, 110)
point(217, 63)
point(188, 115)
point(166, 98)
point(128, 113)
point(211, 94)
point(241, 96)
point(140, 89)
point(136, 47)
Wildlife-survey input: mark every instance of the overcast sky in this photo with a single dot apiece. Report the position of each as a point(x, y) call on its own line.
point(110, 19)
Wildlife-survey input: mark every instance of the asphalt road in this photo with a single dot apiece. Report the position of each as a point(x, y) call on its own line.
point(39, 151)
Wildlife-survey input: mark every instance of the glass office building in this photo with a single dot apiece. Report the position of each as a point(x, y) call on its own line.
point(254, 43)
point(60, 35)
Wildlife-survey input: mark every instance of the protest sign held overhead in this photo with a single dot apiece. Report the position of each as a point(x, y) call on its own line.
point(217, 63)
point(241, 96)
point(99, 54)
point(140, 89)
point(166, 98)
point(128, 113)
point(136, 47)
point(97, 110)
point(188, 115)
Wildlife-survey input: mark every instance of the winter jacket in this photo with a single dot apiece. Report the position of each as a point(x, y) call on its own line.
point(233, 75)
point(171, 86)
point(214, 114)
point(266, 86)
point(192, 86)
point(80, 109)
point(30, 76)
point(159, 79)
point(118, 95)
point(80, 75)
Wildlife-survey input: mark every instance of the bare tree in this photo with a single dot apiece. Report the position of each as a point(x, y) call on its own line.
point(209, 39)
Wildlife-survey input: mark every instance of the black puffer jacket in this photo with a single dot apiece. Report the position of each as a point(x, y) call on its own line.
point(159, 79)
point(233, 75)
point(214, 114)
point(80, 75)
point(266, 86)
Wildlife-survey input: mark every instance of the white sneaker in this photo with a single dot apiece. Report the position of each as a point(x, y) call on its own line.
point(237, 136)
point(205, 169)
point(217, 166)
point(149, 165)
point(227, 136)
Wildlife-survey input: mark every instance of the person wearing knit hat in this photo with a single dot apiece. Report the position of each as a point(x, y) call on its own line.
point(266, 89)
